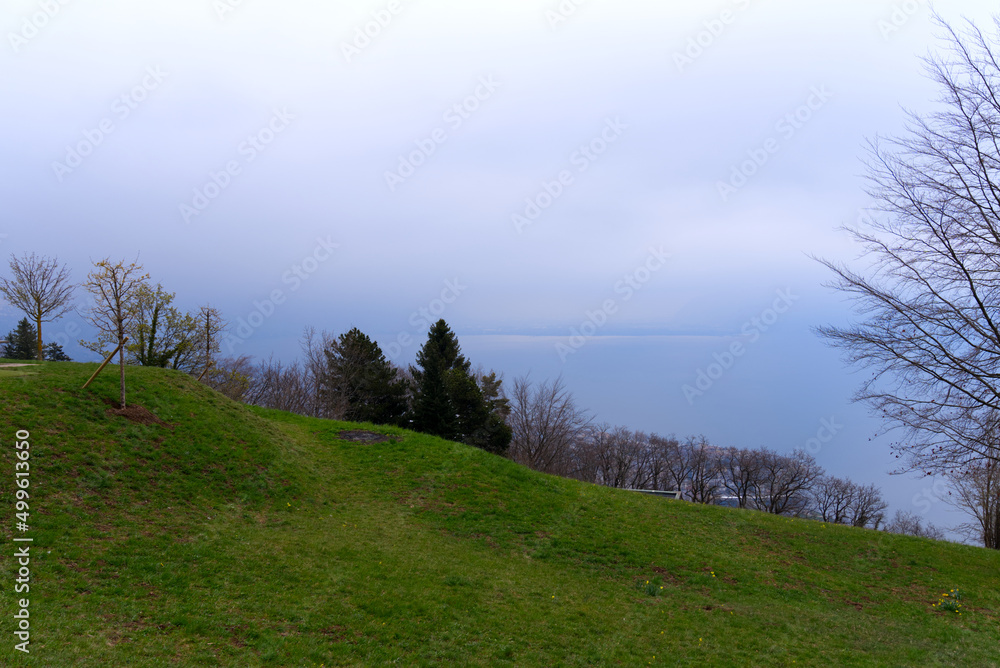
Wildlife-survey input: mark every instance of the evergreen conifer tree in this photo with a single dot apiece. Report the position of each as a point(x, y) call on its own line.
point(434, 407)
point(54, 353)
point(21, 343)
point(451, 402)
point(362, 379)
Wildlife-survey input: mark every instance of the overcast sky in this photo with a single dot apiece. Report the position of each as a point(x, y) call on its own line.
point(624, 193)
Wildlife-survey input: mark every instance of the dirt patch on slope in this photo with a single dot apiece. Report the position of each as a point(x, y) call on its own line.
point(134, 413)
point(362, 436)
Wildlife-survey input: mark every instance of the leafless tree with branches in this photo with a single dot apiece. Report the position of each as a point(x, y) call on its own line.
point(910, 524)
point(112, 286)
point(785, 481)
point(232, 376)
point(930, 295)
point(977, 492)
point(547, 425)
point(41, 288)
point(705, 485)
point(740, 470)
point(842, 501)
point(624, 458)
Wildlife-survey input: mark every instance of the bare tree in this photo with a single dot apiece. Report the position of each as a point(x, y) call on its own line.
point(910, 524)
point(624, 458)
point(113, 309)
point(320, 402)
point(785, 482)
point(584, 460)
point(740, 471)
point(547, 425)
point(678, 465)
point(232, 376)
point(705, 483)
point(832, 499)
point(210, 326)
point(842, 501)
point(977, 492)
point(276, 385)
point(657, 463)
point(930, 295)
point(41, 288)
point(867, 508)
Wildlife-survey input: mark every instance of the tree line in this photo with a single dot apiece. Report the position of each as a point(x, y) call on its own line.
point(553, 435)
point(348, 377)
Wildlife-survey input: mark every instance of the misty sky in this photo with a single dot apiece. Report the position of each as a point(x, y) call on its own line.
point(625, 193)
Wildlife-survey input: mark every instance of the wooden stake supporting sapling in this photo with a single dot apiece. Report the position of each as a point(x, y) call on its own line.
point(105, 363)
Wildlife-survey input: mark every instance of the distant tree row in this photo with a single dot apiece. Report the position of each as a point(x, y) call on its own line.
point(348, 377)
point(552, 434)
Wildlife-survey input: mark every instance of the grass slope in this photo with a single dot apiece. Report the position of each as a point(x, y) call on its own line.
point(247, 537)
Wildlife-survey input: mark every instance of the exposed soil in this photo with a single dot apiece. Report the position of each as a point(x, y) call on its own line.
point(133, 412)
point(362, 436)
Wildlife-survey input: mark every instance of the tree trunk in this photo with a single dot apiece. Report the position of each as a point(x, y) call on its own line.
point(41, 353)
point(121, 369)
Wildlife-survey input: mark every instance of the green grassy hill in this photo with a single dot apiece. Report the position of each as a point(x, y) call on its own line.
point(229, 536)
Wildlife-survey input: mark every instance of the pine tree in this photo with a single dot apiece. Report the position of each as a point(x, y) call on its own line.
point(452, 402)
point(494, 434)
point(54, 353)
point(434, 406)
point(361, 379)
point(21, 343)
